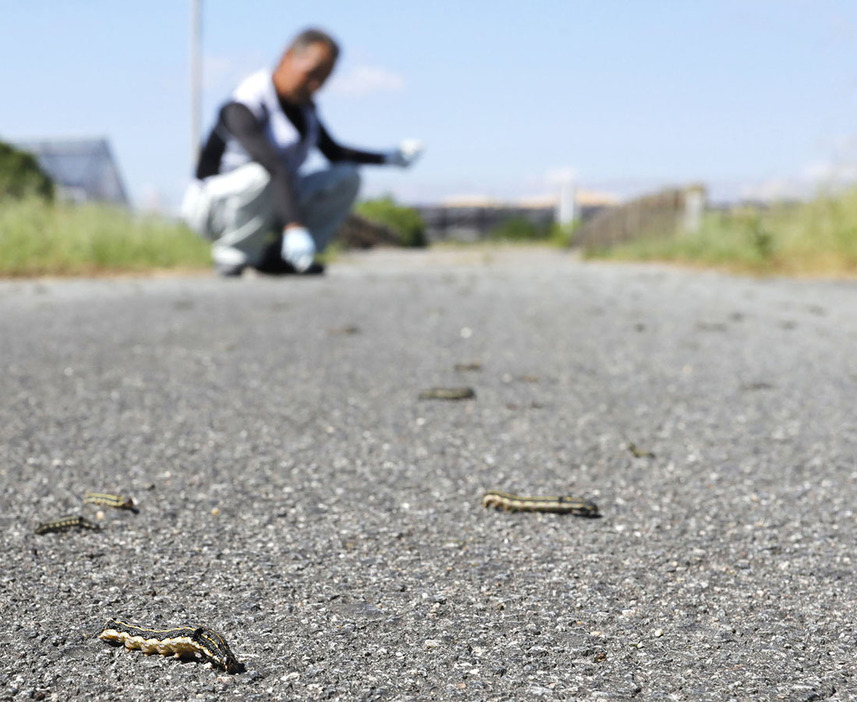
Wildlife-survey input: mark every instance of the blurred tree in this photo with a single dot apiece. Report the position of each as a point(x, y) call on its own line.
point(406, 222)
point(21, 176)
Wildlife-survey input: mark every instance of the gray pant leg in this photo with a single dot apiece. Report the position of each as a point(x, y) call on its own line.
point(325, 199)
point(236, 211)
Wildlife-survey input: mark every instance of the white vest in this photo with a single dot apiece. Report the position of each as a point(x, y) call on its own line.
point(257, 93)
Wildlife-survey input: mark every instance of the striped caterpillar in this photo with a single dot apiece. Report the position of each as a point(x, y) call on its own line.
point(347, 330)
point(639, 452)
point(558, 505)
point(66, 523)
point(182, 642)
point(105, 499)
point(447, 394)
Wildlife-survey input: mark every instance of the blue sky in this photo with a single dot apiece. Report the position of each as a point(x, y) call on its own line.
point(751, 97)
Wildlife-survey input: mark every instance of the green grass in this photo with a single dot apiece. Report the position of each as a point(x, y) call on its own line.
point(518, 229)
point(817, 238)
point(405, 222)
point(37, 238)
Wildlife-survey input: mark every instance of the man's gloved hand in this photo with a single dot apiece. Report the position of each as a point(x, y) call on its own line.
point(407, 152)
point(298, 248)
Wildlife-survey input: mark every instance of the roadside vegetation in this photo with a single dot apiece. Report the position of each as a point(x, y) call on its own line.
point(816, 238)
point(403, 221)
point(38, 237)
point(21, 176)
point(524, 231)
point(41, 236)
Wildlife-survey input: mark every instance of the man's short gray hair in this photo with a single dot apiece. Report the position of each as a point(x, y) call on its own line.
point(311, 36)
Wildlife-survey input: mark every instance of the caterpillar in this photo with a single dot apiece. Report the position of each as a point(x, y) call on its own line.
point(347, 330)
point(447, 394)
point(107, 500)
point(66, 523)
point(181, 642)
point(558, 505)
point(639, 452)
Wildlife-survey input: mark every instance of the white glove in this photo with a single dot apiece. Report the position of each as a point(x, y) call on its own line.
point(407, 152)
point(298, 248)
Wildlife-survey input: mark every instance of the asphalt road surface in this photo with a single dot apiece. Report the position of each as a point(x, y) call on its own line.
point(295, 494)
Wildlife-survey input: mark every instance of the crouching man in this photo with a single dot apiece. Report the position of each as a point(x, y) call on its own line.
point(249, 198)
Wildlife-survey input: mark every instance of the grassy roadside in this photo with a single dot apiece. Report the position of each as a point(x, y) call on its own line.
point(817, 238)
point(40, 239)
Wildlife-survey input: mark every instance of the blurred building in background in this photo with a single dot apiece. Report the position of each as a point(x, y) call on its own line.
point(83, 170)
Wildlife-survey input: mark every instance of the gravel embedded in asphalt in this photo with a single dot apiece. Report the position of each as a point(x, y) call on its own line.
point(297, 496)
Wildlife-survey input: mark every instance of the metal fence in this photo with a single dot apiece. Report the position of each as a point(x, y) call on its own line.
point(666, 213)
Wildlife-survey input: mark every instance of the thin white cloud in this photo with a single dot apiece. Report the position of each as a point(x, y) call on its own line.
point(829, 172)
point(363, 80)
point(776, 189)
point(221, 73)
point(816, 178)
point(839, 170)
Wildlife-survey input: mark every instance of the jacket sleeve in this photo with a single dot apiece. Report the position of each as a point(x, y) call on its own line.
point(336, 152)
point(240, 122)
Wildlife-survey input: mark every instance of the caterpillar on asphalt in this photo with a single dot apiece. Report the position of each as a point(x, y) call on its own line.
point(557, 505)
point(448, 394)
point(639, 452)
point(66, 523)
point(181, 642)
point(347, 330)
point(105, 499)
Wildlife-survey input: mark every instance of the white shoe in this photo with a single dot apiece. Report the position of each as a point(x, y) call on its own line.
point(228, 261)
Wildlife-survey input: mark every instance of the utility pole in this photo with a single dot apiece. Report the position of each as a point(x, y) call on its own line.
point(566, 206)
point(195, 79)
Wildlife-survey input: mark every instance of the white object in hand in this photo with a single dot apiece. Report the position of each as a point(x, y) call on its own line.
point(298, 248)
point(408, 151)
